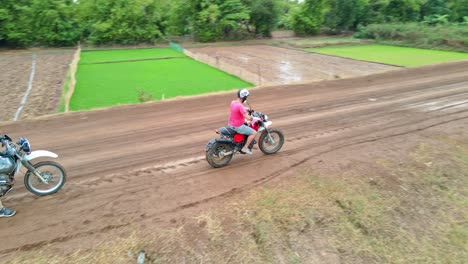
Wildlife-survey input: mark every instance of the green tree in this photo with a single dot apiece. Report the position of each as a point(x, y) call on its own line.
point(53, 22)
point(179, 18)
point(459, 10)
point(434, 7)
point(4, 19)
point(234, 17)
point(263, 16)
point(346, 14)
point(309, 19)
point(206, 18)
point(376, 12)
point(15, 23)
point(286, 9)
point(122, 21)
point(403, 10)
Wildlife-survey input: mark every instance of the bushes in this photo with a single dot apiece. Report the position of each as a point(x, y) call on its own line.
point(309, 19)
point(38, 22)
point(446, 36)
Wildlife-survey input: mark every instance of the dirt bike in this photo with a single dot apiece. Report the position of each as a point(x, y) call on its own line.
point(219, 151)
point(42, 178)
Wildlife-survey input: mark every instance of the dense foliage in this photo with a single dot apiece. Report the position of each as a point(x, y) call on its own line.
point(65, 22)
point(43, 22)
point(438, 34)
point(309, 18)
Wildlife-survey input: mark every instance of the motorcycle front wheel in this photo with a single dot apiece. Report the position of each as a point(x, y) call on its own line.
point(215, 156)
point(52, 172)
point(271, 144)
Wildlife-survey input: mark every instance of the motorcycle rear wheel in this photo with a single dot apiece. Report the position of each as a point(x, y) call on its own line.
point(214, 158)
point(267, 146)
point(53, 172)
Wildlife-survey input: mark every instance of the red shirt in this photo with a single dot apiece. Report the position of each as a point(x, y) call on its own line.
point(236, 118)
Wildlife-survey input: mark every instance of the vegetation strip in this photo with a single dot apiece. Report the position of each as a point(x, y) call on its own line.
point(402, 56)
point(65, 22)
point(88, 57)
point(444, 36)
point(162, 58)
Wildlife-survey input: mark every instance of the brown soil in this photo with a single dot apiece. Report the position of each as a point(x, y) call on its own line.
point(50, 74)
point(140, 167)
point(286, 66)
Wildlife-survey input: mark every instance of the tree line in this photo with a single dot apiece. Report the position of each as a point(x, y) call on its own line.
point(65, 22)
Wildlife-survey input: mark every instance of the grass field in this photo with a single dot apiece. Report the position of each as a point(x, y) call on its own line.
point(108, 84)
point(323, 41)
point(401, 56)
point(123, 55)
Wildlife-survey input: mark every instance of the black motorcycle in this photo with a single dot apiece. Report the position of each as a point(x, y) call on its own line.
point(219, 151)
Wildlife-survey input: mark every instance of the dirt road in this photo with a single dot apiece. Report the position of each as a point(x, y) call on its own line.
point(141, 166)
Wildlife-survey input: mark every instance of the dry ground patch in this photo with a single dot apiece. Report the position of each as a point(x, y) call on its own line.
point(50, 73)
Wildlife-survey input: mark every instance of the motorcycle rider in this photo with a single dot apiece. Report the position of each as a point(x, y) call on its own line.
point(237, 118)
point(5, 212)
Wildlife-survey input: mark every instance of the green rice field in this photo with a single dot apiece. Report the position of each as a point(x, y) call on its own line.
point(400, 56)
point(109, 84)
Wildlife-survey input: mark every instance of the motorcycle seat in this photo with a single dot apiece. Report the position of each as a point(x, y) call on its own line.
point(227, 131)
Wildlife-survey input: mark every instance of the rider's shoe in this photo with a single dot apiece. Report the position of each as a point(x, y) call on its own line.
point(246, 150)
point(5, 212)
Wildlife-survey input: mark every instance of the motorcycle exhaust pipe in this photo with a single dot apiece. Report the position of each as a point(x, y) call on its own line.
point(227, 153)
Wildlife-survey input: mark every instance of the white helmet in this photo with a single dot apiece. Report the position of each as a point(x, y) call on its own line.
point(243, 94)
